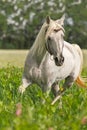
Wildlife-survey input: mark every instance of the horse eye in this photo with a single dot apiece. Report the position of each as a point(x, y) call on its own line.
point(56, 30)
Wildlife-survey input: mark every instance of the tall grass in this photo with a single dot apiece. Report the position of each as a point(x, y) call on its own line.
point(28, 112)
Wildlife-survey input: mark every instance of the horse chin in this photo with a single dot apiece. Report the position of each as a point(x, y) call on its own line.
point(58, 64)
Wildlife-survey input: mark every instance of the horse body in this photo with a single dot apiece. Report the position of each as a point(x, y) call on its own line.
point(51, 73)
point(40, 68)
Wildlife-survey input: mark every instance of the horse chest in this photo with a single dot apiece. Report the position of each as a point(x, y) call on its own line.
point(51, 72)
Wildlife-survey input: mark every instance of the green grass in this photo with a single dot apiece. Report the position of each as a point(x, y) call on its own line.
point(69, 113)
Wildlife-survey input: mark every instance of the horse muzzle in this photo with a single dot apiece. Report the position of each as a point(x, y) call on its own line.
point(59, 62)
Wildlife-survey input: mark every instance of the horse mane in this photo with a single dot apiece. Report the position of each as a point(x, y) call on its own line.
point(39, 44)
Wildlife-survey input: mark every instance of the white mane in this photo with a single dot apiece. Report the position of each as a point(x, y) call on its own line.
point(39, 44)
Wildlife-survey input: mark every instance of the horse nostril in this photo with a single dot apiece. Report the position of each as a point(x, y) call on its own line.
point(56, 59)
point(62, 59)
point(49, 38)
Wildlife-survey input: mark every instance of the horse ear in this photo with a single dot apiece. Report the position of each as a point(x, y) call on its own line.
point(61, 20)
point(48, 19)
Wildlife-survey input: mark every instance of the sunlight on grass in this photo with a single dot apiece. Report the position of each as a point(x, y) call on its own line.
point(85, 58)
point(12, 57)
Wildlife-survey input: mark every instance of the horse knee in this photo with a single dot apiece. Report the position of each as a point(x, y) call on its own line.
point(69, 82)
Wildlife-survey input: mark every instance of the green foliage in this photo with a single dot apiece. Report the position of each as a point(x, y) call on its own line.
point(69, 113)
point(20, 21)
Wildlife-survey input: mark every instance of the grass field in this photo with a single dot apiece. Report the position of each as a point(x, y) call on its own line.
point(12, 57)
point(27, 111)
point(85, 58)
point(17, 57)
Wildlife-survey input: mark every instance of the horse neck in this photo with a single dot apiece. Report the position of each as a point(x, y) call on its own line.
point(38, 49)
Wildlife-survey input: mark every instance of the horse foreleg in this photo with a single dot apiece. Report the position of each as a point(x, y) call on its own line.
point(55, 88)
point(35, 74)
point(68, 83)
point(24, 85)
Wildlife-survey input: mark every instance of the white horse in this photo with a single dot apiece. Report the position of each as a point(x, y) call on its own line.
point(51, 59)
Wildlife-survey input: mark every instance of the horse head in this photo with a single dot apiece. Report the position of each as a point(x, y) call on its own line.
point(54, 39)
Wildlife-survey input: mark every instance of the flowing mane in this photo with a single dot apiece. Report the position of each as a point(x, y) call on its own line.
point(38, 47)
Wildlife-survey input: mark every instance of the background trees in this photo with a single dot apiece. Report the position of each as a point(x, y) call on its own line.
point(20, 21)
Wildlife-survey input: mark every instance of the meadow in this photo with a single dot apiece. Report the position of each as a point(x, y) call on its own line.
point(27, 111)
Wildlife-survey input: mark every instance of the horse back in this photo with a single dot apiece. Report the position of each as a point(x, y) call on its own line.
point(77, 47)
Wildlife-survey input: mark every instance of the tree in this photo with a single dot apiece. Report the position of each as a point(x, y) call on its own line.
point(20, 20)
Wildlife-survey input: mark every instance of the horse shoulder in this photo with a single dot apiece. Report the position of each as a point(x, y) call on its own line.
point(48, 69)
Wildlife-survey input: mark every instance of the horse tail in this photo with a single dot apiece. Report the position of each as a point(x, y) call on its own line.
point(80, 82)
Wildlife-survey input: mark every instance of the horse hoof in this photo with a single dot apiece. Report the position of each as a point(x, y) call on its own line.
point(21, 89)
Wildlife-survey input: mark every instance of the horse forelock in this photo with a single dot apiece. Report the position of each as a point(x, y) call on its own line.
point(61, 27)
point(54, 26)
